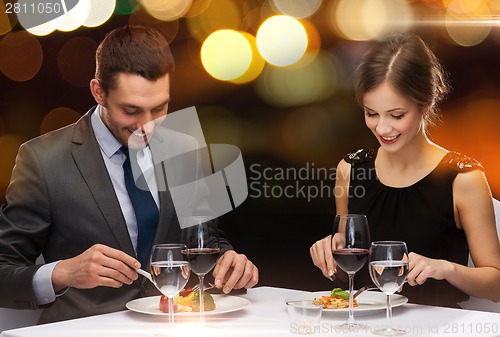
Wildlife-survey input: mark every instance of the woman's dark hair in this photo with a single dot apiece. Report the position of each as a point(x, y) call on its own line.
point(410, 66)
point(132, 49)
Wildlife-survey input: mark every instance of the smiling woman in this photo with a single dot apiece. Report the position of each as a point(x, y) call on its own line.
point(435, 200)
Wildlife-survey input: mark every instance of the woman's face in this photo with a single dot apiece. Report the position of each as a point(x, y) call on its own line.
point(394, 120)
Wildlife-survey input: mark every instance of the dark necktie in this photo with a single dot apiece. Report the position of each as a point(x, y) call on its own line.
point(146, 211)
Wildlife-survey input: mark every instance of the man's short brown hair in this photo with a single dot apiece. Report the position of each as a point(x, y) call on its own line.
point(132, 49)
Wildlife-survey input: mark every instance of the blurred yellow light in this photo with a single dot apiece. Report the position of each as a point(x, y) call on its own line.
point(21, 56)
point(467, 7)
point(282, 40)
point(467, 33)
point(100, 12)
point(44, 29)
point(256, 65)
point(295, 86)
point(26, 20)
point(494, 6)
point(73, 19)
point(313, 45)
point(359, 20)
point(220, 14)
point(468, 25)
point(57, 118)
point(167, 10)
point(400, 16)
point(296, 8)
point(226, 54)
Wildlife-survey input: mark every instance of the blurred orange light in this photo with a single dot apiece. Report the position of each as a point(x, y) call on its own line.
point(21, 56)
point(5, 25)
point(313, 45)
point(58, 118)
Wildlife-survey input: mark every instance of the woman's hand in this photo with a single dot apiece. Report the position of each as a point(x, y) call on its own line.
point(321, 254)
point(421, 268)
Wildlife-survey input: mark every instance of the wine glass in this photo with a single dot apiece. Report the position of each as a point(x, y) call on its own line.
point(388, 268)
point(200, 234)
point(169, 272)
point(350, 249)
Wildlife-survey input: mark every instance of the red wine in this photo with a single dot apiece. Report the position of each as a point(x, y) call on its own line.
point(350, 260)
point(202, 260)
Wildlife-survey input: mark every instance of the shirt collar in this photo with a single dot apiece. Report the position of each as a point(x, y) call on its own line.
point(107, 142)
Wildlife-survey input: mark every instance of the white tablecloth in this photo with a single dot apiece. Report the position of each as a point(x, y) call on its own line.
point(266, 316)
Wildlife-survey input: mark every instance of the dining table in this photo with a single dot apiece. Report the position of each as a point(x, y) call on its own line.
point(264, 314)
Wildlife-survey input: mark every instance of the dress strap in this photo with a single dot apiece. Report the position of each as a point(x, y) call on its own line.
point(360, 156)
point(460, 162)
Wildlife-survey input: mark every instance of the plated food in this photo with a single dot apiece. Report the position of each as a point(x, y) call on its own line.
point(368, 302)
point(188, 301)
point(224, 304)
point(337, 299)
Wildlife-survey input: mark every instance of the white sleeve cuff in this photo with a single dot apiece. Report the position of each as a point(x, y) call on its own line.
point(42, 284)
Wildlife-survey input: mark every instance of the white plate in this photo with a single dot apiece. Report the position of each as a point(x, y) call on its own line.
point(223, 303)
point(369, 302)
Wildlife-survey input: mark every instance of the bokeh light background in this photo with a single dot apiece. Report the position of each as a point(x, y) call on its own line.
point(273, 77)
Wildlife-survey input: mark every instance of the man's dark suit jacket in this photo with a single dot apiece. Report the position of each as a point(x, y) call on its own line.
point(59, 203)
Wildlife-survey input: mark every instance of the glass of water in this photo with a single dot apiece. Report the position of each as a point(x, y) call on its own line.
point(388, 266)
point(169, 271)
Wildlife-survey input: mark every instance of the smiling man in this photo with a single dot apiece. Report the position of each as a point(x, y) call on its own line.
point(69, 199)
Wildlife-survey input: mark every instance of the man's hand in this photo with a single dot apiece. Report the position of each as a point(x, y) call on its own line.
point(98, 266)
point(234, 270)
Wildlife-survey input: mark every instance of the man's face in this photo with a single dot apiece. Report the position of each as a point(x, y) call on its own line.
point(134, 107)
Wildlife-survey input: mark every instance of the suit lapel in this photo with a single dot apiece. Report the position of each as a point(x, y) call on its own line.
point(89, 160)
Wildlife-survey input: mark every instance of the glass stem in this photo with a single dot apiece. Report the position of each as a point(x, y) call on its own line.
point(170, 310)
point(202, 301)
point(350, 320)
point(389, 313)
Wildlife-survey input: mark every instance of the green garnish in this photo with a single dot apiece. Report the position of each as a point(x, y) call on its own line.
point(340, 293)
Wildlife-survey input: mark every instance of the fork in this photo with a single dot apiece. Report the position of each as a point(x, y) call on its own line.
point(197, 287)
point(363, 289)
